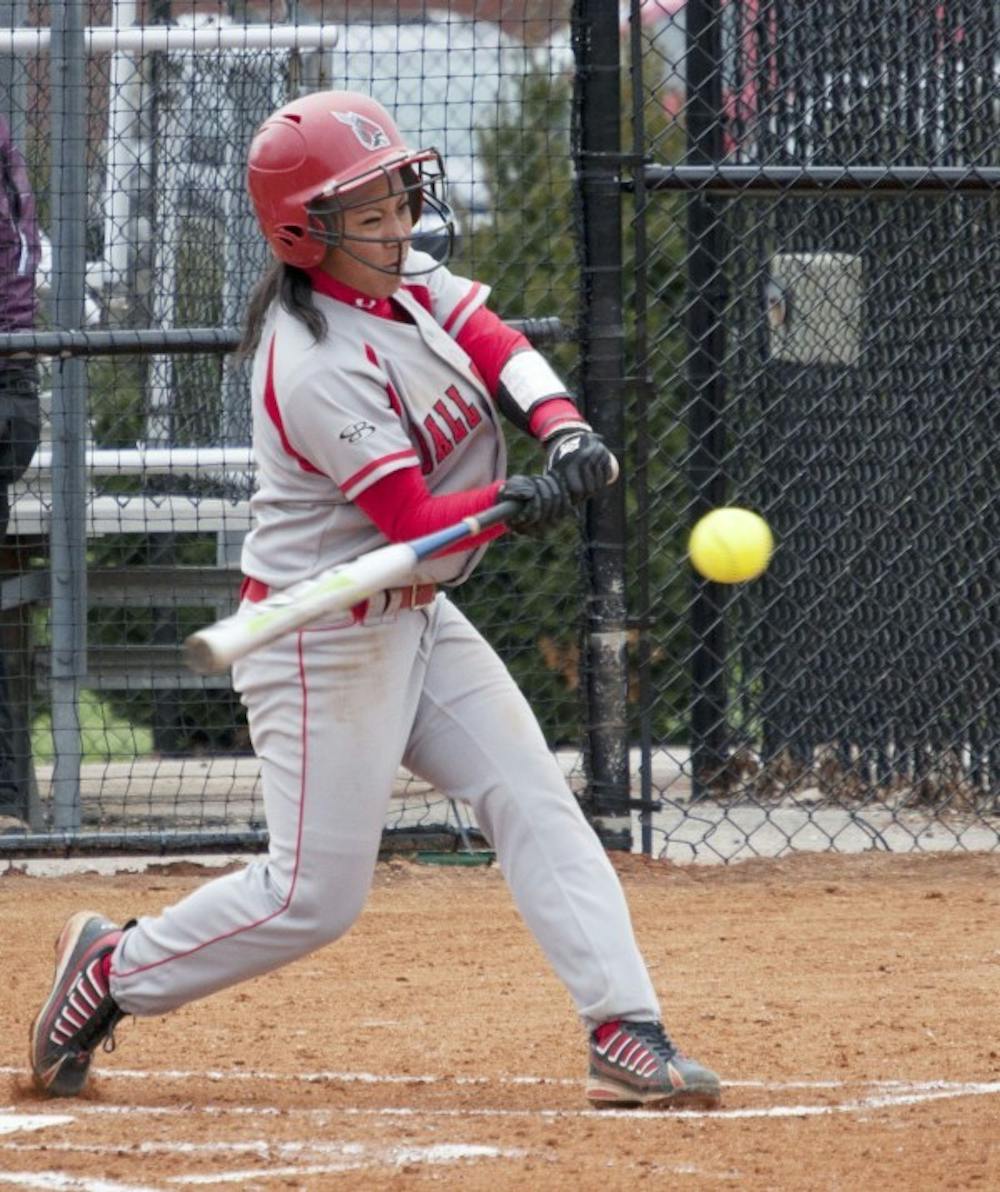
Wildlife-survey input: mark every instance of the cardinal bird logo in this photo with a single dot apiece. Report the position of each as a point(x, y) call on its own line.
point(371, 135)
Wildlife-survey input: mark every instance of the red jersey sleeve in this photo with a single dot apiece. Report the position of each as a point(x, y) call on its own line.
point(402, 507)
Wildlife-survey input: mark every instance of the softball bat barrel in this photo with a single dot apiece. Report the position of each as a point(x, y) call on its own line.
point(218, 646)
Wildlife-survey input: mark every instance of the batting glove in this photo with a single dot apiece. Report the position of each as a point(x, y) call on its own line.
point(544, 501)
point(583, 462)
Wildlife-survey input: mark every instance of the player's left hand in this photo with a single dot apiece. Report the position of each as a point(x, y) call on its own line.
point(584, 463)
point(543, 500)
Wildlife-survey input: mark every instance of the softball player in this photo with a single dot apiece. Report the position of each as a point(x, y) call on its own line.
point(378, 383)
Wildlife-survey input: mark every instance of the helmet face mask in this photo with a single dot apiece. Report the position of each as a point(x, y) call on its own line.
point(307, 158)
point(423, 183)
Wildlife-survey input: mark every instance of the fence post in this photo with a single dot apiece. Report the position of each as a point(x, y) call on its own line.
point(67, 533)
point(597, 154)
point(705, 380)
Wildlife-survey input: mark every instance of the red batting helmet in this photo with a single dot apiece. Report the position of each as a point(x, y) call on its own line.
point(311, 153)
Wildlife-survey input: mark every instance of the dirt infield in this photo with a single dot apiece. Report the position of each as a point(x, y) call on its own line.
point(850, 1004)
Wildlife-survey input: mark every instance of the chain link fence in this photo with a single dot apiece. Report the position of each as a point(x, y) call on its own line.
point(135, 120)
point(806, 237)
point(821, 349)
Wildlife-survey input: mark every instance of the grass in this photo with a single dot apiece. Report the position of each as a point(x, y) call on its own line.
point(105, 736)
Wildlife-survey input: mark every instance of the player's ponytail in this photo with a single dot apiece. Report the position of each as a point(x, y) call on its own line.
point(292, 288)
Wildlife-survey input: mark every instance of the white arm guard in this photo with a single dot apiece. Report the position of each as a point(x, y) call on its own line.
point(526, 380)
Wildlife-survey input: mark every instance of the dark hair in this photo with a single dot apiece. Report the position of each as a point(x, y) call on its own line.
point(293, 290)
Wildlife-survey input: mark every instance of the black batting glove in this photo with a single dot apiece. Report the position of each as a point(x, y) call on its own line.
point(544, 501)
point(583, 462)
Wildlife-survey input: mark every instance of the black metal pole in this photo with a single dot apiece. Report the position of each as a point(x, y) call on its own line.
point(596, 150)
point(124, 341)
point(705, 381)
point(642, 389)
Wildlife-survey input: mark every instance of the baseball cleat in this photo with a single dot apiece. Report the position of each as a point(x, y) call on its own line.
point(635, 1063)
point(80, 1012)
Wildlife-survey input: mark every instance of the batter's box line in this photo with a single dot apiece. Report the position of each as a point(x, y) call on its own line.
point(886, 1100)
point(237, 1074)
point(339, 1157)
point(334, 1077)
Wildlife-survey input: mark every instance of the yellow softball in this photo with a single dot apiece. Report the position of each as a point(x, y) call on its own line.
point(730, 545)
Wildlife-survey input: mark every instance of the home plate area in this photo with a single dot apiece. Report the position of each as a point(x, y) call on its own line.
point(848, 1003)
point(139, 1131)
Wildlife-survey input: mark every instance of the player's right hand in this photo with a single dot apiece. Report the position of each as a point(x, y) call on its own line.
point(543, 499)
point(583, 461)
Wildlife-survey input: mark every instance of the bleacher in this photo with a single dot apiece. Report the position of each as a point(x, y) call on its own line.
point(152, 512)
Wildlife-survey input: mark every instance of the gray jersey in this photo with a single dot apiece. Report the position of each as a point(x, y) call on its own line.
point(375, 395)
point(335, 708)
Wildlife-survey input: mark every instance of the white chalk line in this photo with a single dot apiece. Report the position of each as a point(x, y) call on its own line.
point(348, 1156)
point(59, 1181)
point(218, 1075)
point(342, 1157)
point(903, 1094)
point(16, 1123)
point(238, 1074)
point(264, 1149)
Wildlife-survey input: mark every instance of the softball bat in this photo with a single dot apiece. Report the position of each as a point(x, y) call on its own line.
point(218, 646)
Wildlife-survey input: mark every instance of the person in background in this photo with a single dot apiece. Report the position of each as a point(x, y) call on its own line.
point(20, 249)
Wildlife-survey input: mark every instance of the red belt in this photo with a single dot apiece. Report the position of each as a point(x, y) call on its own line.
point(415, 596)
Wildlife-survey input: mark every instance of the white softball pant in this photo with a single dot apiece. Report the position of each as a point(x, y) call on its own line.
point(332, 713)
